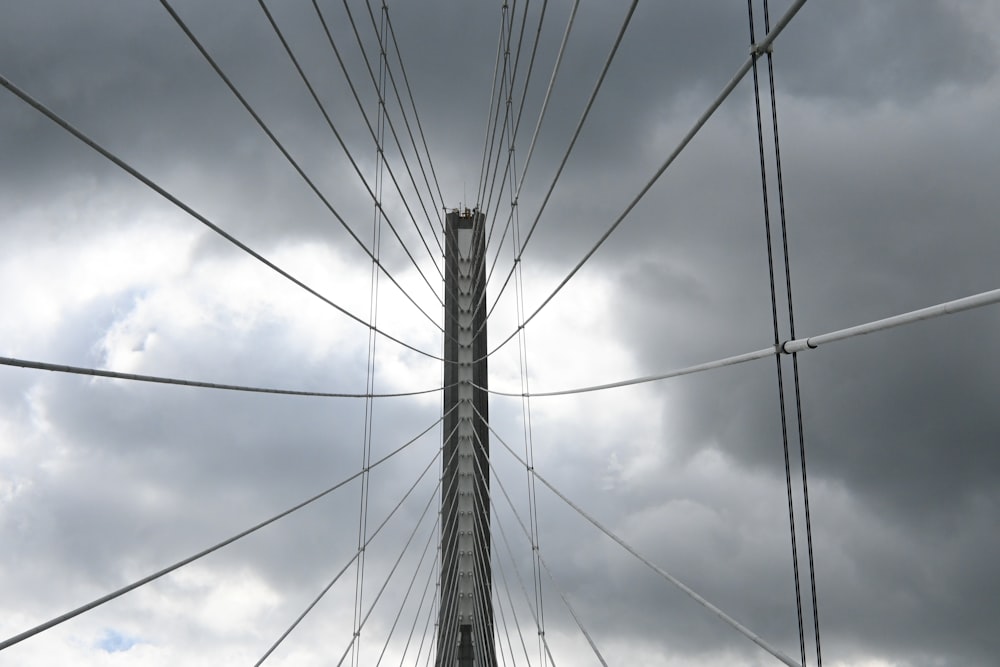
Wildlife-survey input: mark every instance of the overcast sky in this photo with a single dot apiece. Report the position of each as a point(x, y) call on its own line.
point(887, 115)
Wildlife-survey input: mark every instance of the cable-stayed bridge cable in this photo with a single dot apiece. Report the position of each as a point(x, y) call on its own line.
point(526, 411)
point(736, 625)
point(511, 122)
point(281, 148)
point(491, 126)
point(409, 589)
point(31, 632)
point(379, 141)
point(791, 326)
point(541, 561)
point(423, 637)
point(513, 137)
point(790, 346)
point(132, 171)
point(569, 149)
point(777, 338)
point(534, 136)
point(392, 571)
point(356, 555)
point(370, 364)
point(580, 123)
point(510, 601)
point(383, 45)
point(497, 601)
point(372, 77)
point(416, 116)
point(420, 605)
point(97, 372)
point(376, 197)
point(548, 92)
point(533, 605)
point(504, 96)
point(758, 49)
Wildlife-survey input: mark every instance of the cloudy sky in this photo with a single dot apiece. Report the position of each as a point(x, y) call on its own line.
point(887, 116)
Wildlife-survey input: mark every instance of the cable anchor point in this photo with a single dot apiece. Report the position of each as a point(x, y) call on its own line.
point(757, 51)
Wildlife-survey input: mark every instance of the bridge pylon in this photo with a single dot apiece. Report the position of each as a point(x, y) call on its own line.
point(465, 622)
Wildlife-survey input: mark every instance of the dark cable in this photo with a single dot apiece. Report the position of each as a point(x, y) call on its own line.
point(569, 149)
point(409, 589)
point(416, 116)
point(124, 166)
point(392, 570)
point(684, 142)
point(491, 125)
point(77, 370)
point(295, 165)
point(795, 358)
point(777, 340)
point(371, 74)
point(375, 197)
point(383, 45)
point(357, 553)
point(190, 559)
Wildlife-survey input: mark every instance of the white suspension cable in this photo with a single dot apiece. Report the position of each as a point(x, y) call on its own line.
point(946, 308)
point(790, 346)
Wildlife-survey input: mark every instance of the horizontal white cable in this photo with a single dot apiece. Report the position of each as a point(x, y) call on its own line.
point(689, 370)
point(790, 346)
point(946, 308)
point(97, 372)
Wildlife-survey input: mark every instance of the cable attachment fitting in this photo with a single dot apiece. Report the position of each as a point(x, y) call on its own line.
point(757, 51)
point(797, 345)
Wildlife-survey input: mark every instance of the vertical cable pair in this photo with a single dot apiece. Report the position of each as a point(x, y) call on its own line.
point(777, 337)
point(370, 363)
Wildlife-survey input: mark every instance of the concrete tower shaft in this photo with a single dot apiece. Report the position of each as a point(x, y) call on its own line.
point(465, 625)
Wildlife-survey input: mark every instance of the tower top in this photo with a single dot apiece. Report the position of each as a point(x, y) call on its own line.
point(464, 212)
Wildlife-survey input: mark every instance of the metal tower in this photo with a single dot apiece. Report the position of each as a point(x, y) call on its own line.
point(465, 624)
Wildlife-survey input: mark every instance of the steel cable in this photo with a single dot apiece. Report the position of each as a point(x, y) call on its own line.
point(777, 340)
point(791, 325)
point(281, 148)
point(190, 559)
point(376, 197)
point(132, 171)
point(96, 372)
point(736, 625)
point(699, 123)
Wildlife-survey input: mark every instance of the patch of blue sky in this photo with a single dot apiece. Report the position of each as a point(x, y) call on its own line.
point(116, 642)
